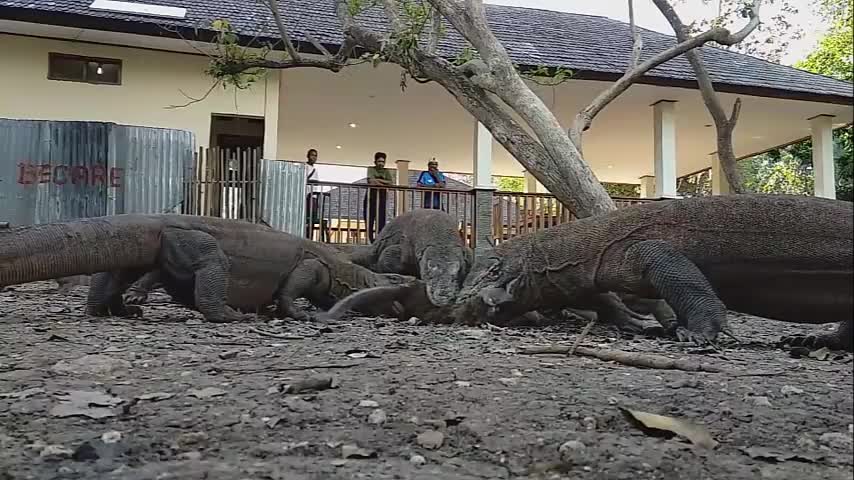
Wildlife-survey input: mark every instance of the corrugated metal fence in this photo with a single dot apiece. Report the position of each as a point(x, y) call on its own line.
point(61, 170)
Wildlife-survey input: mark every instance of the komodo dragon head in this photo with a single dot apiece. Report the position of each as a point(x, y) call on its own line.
point(443, 271)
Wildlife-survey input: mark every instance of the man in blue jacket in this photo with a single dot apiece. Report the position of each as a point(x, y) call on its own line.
point(432, 178)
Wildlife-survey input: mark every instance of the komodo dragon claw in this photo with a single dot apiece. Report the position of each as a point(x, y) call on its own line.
point(700, 339)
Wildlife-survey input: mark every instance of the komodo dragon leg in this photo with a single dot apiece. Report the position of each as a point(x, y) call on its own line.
point(105, 294)
point(655, 263)
point(137, 294)
point(191, 261)
point(840, 339)
point(309, 279)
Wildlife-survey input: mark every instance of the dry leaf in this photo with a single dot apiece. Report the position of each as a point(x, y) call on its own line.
point(653, 424)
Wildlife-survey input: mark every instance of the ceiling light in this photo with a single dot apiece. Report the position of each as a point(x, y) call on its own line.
point(99, 71)
point(757, 137)
point(610, 166)
point(353, 125)
point(338, 147)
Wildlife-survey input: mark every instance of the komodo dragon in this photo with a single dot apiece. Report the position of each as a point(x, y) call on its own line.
point(423, 243)
point(782, 257)
point(128, 245)
point(272, 267)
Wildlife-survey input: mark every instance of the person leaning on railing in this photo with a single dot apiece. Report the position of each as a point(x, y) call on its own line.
point(432, 178)
point(377, 197)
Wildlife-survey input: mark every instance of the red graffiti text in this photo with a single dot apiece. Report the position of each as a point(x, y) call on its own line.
point(29, 174)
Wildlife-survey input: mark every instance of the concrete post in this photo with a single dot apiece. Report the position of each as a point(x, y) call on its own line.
point(647, 186)
point(720, 185)
point(664, 119)
point(483, 189)
point(271, 114)
point(822, 156)
point(530, 182)
point(400, 200)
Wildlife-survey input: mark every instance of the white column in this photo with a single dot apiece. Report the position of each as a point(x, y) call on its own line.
point(664, 119)
point(720, 185)
point(647, 186)
point(482, 154)
point(403, 181)
point(271, 114)
point(530, 182)
point(822, 156)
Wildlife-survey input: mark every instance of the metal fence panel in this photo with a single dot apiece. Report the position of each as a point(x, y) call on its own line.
point(153, 164)
point(52, 171)
point(283, 195)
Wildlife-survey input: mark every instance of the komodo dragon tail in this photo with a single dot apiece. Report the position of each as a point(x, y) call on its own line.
point(78, 247)
point(375, 299)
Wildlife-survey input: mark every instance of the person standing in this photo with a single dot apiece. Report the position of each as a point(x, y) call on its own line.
point(314, 198)
point(432, 178)
point(374, 204)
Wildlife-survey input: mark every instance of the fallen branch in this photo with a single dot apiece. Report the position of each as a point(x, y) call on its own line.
point(581, 337)
point(633, 359)
point(283, 336)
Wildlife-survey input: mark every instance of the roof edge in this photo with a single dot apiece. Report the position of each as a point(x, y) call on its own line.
point(29, 15)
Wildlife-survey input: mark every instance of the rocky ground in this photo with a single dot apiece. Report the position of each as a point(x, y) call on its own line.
point(171, 397)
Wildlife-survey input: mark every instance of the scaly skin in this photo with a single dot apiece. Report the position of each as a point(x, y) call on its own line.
point(782, 257)
point(264, 269)
point(423, 243)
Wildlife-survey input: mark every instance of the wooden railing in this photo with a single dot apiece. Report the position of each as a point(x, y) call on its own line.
point(347, 213)
point(516, 213)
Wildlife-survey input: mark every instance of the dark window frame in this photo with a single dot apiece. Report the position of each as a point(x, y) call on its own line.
point(85, 60)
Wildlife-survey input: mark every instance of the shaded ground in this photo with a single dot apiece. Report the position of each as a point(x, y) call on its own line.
point(460, 400)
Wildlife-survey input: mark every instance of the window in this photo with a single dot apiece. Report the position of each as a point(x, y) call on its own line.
point(74, 68)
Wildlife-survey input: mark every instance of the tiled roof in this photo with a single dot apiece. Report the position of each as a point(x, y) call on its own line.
point(590, 45)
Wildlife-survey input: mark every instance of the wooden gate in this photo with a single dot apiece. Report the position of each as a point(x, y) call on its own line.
point(224, 183)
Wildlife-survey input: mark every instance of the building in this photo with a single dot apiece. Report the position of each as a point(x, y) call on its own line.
point(129, 62)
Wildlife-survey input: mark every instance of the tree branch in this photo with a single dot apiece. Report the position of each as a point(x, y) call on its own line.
point(273, 5)
point(685, 44)
point(435, 31)
point(725, 126)
point(637, 39)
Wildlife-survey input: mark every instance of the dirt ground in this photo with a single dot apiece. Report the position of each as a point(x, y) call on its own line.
point(172, 397)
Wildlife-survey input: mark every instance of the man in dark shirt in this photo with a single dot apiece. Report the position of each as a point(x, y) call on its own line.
point(374, 204)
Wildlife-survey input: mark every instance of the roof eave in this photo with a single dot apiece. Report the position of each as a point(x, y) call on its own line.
point(206, 35)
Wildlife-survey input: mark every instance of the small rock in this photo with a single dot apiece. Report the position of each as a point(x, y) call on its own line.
point(509, 381)
point(572, 445)
point(273, 389)
point(431, 439)
point(417, 460)
point(761, 401)
point(790, 390)
point(369, 404)
point(193, 321)
point(64, 470)
point(276, 322)
point(55, 452)
point(377, 417)
point(191, 438)
point(461, 383)
point(155, 396)
point(413, 321)
point(835, 440)
point(589, 423)
point(474, 333)
point(85, 452)
point(91, 365)
point(338, 462)
point(229, 354)
point(516, 373)
point(206, 392)
point(354, 451)
point(112, 436)
point(191, 455)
